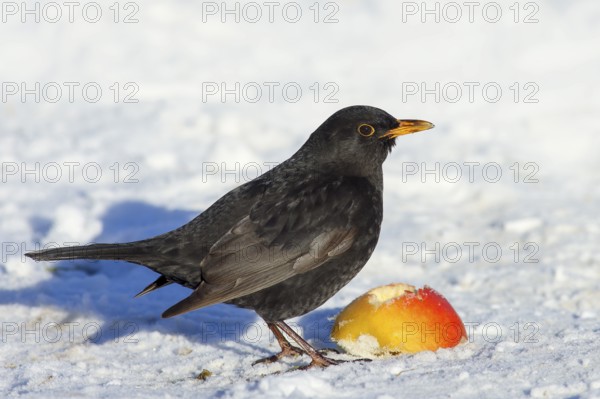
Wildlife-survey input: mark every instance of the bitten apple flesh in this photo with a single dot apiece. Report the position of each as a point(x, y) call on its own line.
point(395, 319)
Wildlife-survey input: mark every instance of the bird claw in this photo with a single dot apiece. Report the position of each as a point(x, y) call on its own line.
point(287, 351)
point(321, 362)
point(318, 358)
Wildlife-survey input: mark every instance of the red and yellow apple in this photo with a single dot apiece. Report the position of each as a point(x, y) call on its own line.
point(398, 318)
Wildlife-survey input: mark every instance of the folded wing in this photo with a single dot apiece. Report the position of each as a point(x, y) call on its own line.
point(278, 239)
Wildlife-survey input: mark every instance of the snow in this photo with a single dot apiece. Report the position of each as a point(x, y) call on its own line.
point(516, 254)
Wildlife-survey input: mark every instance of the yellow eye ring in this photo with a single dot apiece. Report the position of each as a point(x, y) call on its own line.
point(366, 130)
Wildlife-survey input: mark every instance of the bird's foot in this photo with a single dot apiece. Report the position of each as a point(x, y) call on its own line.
point(320, 361)
point(286, 351)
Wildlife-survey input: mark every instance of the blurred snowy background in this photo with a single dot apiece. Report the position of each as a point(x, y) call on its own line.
point(123, 120)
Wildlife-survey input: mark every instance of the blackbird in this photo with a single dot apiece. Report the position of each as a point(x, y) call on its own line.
point(285, 242)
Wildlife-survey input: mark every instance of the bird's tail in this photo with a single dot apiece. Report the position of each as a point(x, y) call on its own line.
point(127, 251)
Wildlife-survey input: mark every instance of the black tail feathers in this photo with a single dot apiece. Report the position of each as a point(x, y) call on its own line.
point(128, 252)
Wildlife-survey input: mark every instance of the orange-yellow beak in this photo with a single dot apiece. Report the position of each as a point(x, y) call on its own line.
point(408, 126)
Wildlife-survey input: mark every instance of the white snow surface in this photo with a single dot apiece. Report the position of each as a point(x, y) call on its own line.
point(72, 329)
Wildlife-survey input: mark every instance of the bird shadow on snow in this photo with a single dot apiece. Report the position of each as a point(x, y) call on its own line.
point(106, 289)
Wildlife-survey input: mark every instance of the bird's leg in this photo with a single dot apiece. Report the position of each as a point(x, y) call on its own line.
point(318, 360)
point(287, 349)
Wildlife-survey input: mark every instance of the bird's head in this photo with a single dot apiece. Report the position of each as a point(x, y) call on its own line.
point(358, 139)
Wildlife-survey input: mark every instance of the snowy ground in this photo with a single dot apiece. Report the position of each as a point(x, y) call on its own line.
point(72, 329)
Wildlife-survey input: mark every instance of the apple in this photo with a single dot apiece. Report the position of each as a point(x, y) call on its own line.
point(395, 319)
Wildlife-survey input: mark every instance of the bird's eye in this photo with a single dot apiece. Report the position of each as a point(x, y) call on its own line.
point(366, 130)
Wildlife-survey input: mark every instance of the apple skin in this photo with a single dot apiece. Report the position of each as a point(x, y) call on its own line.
point(395, 319)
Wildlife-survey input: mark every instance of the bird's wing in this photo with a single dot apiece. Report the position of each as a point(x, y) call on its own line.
point(281, 237)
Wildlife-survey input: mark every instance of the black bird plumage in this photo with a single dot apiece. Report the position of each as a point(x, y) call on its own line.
point(285, 242)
